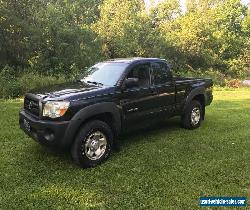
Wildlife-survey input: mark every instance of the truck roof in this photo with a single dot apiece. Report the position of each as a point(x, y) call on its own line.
point(133, 59)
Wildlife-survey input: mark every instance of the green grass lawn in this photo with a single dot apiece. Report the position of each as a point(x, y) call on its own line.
point(164, 167)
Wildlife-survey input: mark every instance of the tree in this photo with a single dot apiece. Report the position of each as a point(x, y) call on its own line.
point(209, 36)
point(69, 43)
point(19, 32)
point(50, 36)
point(118, 26)
point(165, 11)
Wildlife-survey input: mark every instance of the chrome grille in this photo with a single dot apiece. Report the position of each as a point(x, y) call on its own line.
point(31, 105)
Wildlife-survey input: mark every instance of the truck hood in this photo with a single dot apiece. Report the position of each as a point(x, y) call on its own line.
point(71, 91)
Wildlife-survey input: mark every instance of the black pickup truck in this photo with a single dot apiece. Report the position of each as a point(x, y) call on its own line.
point(88, 115)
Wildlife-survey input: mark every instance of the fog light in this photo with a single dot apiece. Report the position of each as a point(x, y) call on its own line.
point(49, 135)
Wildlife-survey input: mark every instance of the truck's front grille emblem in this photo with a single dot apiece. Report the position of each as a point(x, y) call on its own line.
point(31, 105)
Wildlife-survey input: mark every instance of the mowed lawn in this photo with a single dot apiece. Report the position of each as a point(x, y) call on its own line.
point(162, 167)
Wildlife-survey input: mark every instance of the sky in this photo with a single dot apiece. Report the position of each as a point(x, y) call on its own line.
point(183, 6)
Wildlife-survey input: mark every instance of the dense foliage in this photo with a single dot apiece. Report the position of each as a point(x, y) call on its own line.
point(52, 37)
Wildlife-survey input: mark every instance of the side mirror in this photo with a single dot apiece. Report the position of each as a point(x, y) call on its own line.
point(131, 82)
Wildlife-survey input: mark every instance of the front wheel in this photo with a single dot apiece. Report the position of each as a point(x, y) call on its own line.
point(93, 144)
point(192, 117)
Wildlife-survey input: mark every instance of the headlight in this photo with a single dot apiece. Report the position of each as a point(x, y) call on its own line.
point(54, 109)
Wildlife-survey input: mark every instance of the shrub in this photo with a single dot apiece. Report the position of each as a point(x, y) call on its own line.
point(237, 68)
point(234, 83)
point(9, 86)
point(14, 85)
point(29, 81)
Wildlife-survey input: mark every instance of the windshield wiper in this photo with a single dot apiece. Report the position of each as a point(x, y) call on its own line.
point(95, 83)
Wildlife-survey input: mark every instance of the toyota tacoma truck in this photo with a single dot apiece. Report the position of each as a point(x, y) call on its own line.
point(88, 115)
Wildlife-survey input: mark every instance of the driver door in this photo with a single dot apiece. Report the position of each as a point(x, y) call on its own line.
point(138, 103)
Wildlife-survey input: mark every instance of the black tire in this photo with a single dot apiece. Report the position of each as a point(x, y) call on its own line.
point(186, 118)
point(81, 143)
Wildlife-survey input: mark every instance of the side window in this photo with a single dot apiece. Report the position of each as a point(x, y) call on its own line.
point(161, 73)
point(141, 72)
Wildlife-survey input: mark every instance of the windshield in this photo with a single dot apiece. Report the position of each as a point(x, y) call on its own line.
point(104, 73)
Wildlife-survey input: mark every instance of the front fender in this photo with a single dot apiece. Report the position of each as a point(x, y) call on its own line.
point(88, 112)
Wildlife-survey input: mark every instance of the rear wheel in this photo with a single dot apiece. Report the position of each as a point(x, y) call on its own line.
point(192, 117)
point(93, 144)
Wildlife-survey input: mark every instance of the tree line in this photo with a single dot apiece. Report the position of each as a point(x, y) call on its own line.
point(64, 36)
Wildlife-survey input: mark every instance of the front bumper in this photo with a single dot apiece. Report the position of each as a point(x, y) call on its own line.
point(49, 133)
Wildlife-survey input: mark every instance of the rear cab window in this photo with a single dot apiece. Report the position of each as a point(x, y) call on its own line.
point(160, 73)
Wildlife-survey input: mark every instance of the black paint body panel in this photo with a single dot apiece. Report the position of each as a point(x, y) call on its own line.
point(125, 106)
